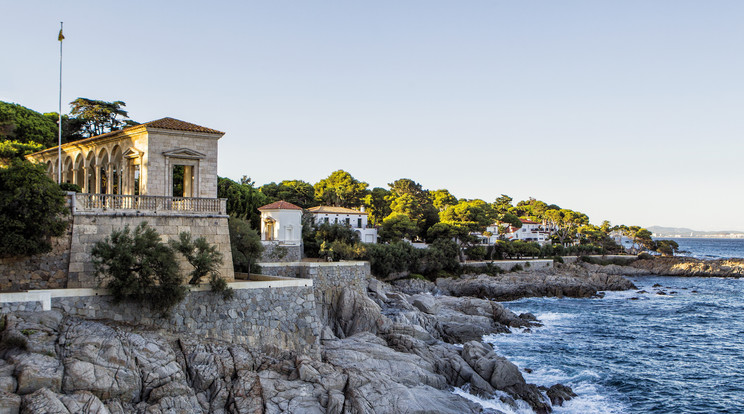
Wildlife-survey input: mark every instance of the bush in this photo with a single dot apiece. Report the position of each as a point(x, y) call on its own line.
point(31, 210)
point(204, 257)
point(141, 268)
point(645, 256)
point(71, 187)
point(385, 259)
point(219, 285)
point(245, 244)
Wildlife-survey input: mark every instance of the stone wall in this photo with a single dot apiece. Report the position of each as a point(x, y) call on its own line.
point(271, 319)
point(281, 253)
point(89, 229)
point(329, 279)
point(40, 271)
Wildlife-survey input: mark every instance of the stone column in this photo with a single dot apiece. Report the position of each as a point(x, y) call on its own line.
point(109, 178)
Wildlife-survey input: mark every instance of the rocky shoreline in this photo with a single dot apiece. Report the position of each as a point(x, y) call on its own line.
point(394, 349)
point(688, 266)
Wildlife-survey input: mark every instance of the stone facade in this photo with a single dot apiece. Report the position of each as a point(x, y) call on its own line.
point(89, 229)
point(329, 279)
point(139, 160)
point(270, 319)
point(40, 271)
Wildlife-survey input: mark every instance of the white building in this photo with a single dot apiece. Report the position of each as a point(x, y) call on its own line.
point(530, 231)
point(355, 219)
point(281, 222)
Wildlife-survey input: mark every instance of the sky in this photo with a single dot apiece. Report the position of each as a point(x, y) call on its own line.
point(629, 111)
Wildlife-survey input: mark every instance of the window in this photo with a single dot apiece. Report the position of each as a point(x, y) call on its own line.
point(359, 222)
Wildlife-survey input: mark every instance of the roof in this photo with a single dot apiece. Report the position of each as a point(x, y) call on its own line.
point(178, 125)
point(334, 210)
point(280, 205)
point(162, 123)
point(525, 221)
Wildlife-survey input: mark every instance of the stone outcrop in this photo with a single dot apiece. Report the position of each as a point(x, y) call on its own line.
point(382, 350)
point(566, 281)
point(688, 266)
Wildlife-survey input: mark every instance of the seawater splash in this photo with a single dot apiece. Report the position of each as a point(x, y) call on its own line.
point(495, 403)
point(681, 352)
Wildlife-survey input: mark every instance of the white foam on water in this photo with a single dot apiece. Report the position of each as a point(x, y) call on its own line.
point(590, 400)
point(495, 403)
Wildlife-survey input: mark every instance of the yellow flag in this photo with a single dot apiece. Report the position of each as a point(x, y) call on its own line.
point(61, 36)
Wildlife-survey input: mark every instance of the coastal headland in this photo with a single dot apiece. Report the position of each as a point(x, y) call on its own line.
point(381, 348)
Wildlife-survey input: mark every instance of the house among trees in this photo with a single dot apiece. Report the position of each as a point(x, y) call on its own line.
point(166, 157)
point(530, 231)
point(281, 222)
point(355, 219)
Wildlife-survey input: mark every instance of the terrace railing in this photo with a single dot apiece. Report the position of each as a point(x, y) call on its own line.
point(85, 202)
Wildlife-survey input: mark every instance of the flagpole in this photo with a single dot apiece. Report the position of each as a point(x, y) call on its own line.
point(59, 133)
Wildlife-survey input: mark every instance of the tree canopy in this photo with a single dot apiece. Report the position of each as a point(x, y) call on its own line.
point(99, 117)
point(340, 189)
point(32, 209)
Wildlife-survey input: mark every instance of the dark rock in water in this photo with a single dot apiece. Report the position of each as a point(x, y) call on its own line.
point(528, 316)
point(560, 393)
point(656, 285)
point(528, 370)
point(694, 291)
point(634, 298)
point(641, 291)
point(661, 292)
point(672, 293)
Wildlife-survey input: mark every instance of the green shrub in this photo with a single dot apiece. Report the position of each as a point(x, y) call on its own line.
point(516, 268)
point(245, 244)
point(32, 207)
point(71, 187)
point(141, 268)
point(205, 258)
point(557, 259)
point(219, 285)
point(645, 256)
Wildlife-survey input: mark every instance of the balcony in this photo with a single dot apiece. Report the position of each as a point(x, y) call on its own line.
point(84, 203)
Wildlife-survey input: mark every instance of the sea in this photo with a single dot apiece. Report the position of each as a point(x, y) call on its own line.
point(673, 345)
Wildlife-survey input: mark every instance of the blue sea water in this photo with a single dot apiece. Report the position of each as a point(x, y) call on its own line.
point(632, 352)
point(711, 248)
point(674, 353)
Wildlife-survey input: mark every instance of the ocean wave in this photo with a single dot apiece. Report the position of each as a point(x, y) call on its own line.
point(495, 403)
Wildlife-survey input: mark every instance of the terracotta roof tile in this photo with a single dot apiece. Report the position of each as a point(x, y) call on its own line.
point(178, 125)
point(334, 210)
point(280, 205)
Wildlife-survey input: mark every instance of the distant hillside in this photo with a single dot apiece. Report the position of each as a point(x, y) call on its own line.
point(660, 231)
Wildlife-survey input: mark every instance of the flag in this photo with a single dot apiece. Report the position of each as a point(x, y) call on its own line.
point(61, 36)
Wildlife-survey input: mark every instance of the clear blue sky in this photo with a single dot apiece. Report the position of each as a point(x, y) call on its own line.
point(630, 111)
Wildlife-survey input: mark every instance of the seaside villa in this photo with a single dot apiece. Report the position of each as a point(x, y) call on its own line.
point(163, 172)
point(530, 231)
point(355, 219)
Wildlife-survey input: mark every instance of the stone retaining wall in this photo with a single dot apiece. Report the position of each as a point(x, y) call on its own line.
point(40, 271)
point(329, 279)
point(89, 229)
point(272, 319)
point(280, 253)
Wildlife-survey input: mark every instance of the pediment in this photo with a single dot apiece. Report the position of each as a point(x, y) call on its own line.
point(132, 153)
point(185, 153)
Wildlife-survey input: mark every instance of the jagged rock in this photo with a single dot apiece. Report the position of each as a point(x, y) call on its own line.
point(36, 371)
point(503, 375)
point(246, 396)
point(211, 369)
point(83, 402)
point(43, 401)
point(37, 329)
point(560, 393)
point(569, 280)
point(8, 382)
point(425, 303)
point(9, 403)
point(358, 313)
point(97, 360)
point(415, 286)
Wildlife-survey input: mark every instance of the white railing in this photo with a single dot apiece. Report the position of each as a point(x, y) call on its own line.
point(190, 205)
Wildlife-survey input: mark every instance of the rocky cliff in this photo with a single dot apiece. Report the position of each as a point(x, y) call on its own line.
point(382, 351)
point(688, 266)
